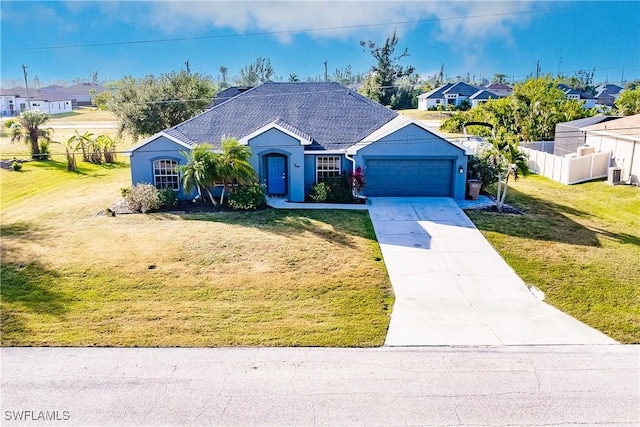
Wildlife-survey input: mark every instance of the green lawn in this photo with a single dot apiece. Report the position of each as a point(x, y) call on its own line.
point(277, 278)
point(579, 244)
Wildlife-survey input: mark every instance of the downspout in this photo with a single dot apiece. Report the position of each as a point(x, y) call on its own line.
point(353, 169)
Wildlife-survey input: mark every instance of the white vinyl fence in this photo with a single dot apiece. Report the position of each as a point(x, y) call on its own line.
point(568, 170)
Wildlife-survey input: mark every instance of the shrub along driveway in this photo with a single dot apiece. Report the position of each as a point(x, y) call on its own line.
point(451, 286)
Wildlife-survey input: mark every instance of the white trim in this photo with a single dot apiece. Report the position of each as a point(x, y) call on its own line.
point(395, 125)
point(333, 157)
point(156, 136)
point(174, 174)
point(273, 125)
point(325, 152)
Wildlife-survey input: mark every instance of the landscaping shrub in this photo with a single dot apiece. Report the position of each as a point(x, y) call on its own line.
point(357, 180)
point(336, 190)
point(339, 189)
point(16, 165)
point(248, 197)
point(143, 198)
point(168, 197)
point(45, 152)
point(319, 192)
point(481, 168)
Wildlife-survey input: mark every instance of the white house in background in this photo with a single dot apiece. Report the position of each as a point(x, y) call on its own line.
point(587, 100)
point(620, 137)
point(433, 98)
point(14, 101)
point(482, 96)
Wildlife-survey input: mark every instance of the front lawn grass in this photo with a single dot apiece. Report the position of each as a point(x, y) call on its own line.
point(266, 278)
point(579, 244)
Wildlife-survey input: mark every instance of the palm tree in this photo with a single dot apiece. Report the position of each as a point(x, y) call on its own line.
point(71, 145)
point(234, 167)
point(508, 160)
point(27, 129)
point(200, 169)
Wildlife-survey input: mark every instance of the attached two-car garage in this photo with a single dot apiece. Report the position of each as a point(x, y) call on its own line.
point(406, 159)
point(409, 177)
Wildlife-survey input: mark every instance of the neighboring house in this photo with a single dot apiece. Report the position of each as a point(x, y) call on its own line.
point(227, 94)
point(80, 94)
point(433, 98)
point(569, 136)
point(455, 94)
point(607, 94)
point(500, 89)
point(620, 137)
point(14, 101)
point(482, 96)
point(303, 133)
point(588, 101)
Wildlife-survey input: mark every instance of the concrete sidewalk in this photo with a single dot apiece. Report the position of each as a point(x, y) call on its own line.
point(453, 288)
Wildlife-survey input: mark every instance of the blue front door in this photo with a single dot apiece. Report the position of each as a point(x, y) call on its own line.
point(276, 175)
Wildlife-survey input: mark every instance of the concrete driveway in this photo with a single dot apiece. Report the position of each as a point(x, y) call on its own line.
point(453, 288)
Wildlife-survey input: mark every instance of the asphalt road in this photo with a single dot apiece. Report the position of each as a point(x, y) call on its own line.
point(497, 386)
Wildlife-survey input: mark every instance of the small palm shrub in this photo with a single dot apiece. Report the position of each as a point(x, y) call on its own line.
point(16, 166)
point(319, 192)
point(248, 197)
point(143, 198)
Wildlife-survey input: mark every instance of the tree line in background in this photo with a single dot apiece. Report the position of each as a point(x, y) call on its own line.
point(149, 104)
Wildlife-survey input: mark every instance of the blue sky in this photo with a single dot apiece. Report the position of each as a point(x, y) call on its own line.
point(61, 40)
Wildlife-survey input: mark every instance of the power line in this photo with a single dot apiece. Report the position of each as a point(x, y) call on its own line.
point(267, 33)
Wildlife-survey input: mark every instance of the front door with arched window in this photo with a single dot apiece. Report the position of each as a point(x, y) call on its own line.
point(276, 175)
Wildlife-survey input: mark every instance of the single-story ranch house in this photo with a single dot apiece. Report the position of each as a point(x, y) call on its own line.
point(303, 133)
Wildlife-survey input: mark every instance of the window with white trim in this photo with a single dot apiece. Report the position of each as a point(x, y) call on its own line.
point(327, 167)
point(165, 174)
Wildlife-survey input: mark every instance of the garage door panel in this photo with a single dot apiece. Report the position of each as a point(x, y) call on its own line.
point(409, 177)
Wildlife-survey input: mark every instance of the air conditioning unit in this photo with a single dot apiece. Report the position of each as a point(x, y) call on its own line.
point(614, 176)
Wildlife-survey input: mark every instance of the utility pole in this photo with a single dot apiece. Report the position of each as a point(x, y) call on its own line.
point(560, 65)
point(326, 74)
point(188, 69)
point(622, 78)
point(26, 84)
point(537, 68)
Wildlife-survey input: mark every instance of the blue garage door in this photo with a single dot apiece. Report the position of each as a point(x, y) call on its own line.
point(409, 177)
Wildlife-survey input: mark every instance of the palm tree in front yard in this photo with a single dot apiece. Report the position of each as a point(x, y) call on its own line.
point(508, 160)
point(200, 169)
point(234, 166)
point(28, 129)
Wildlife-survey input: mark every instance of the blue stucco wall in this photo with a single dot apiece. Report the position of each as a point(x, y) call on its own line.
point(161, 148)
point(274, 141)
point(310, 167)
point(414, 141)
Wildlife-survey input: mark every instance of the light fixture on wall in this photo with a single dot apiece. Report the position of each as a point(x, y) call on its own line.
point(461, 169)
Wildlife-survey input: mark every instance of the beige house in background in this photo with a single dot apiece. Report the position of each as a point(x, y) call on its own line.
point(621, 138)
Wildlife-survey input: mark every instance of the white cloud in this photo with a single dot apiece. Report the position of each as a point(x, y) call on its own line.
point(455, 22)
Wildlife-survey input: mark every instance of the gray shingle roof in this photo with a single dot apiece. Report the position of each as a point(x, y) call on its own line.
point(461, 88)
point(227, 94)
point(331, 115)
point(484, 94)
point(437, 93)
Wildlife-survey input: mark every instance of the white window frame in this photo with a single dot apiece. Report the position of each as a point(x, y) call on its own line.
point(328, 167)
point(165, 174)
